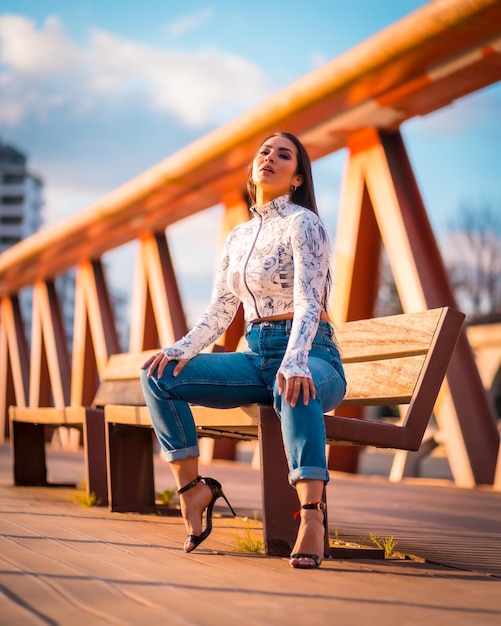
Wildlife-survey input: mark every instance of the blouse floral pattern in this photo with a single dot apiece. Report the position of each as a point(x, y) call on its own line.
point(275, 263)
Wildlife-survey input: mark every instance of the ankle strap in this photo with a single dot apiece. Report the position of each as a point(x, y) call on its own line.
point(193, 483)
point(318, 506)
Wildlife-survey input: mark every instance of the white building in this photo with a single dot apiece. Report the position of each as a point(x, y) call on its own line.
point(21, 199)
point(21, 203)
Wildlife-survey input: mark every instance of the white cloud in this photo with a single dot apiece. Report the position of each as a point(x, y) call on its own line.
point(28, 51)
point(42, 72)
point(187, 23)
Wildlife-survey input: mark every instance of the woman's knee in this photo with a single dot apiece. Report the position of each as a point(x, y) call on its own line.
point(145, 379)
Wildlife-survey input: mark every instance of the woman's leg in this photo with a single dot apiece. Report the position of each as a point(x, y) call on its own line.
point(217, 380)
point(195, 500)
point(303, 426)
point(311, 534)
point(303, 432)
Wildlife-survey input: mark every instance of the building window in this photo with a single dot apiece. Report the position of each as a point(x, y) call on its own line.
point(13, 179)
point(11, 200)
point(11, 219)
point(9, 241)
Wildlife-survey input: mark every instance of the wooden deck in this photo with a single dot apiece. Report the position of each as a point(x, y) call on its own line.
point(62, 563)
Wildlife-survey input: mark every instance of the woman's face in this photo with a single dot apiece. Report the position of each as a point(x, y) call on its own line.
point(274, 168)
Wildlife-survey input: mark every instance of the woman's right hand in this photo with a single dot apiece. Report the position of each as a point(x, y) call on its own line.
point(293, 386)
point(159, 361)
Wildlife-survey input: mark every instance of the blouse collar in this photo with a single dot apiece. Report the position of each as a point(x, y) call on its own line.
point(274, 206)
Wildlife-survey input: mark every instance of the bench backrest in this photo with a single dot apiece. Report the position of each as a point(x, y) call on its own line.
point(383, 357)
point(399, 359)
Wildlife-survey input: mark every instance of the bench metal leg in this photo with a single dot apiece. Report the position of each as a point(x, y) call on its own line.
point(129, 451)
point(95, 454)
point(280, 500)
point(28, 454)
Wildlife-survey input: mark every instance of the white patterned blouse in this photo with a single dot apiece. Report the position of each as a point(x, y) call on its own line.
point(275, 263)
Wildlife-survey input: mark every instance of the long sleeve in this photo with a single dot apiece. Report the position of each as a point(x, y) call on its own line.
point(311, 257)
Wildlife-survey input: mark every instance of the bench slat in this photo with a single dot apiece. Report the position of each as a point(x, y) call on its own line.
point(391, 381)
point(240, 433)
point(71, 415)
point(127, 365)
point(133, 415)
point(127, 392)
point(245, 416)
point(393, 336)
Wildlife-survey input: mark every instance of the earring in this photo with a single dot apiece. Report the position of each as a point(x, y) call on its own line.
point(293, 188)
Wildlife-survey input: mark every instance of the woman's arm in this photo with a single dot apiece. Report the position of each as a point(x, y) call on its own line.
point(311, 256)
point(209, 327)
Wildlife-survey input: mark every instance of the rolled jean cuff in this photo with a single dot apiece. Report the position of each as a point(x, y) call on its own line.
point(308, 473)
point(179, 455)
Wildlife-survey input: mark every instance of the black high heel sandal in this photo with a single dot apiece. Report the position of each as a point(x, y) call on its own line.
point(217, 492)
point(319, 506)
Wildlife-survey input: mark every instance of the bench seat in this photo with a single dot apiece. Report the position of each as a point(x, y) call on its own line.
point(28, 440)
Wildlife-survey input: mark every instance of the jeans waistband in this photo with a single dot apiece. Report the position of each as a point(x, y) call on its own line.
point(279, 324)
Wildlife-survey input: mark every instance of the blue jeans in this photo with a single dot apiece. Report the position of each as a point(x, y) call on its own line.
point(231, 379)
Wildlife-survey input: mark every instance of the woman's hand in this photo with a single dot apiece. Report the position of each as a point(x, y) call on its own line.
point(160, 361)
point(293, 386)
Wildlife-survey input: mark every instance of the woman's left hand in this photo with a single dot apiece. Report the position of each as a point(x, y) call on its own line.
point(293, 387)
point(159, 361)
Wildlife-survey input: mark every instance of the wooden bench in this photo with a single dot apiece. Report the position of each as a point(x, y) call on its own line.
point(29, 434)
point(28, 438)
point(394, 360)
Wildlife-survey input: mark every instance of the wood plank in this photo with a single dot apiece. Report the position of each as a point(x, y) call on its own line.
point(133, 415)
point(237, 423)
point(127, 365)
point(244, 416)
point(236, 432)
point(74, 415)
point(392, 336)
point(126, 391)
point(236, 418)
point(391, 381)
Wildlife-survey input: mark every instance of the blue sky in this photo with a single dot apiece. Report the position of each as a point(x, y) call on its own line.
point(96, 92)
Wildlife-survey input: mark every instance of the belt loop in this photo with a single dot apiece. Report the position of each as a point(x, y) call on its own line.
point(288, 326)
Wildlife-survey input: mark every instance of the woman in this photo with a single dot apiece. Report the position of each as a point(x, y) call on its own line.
point(277, 265)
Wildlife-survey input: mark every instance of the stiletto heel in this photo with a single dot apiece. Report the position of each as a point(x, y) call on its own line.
point(217, 492)
point(319, 506)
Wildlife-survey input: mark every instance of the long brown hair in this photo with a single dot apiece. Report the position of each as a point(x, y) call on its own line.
point(304, 195)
